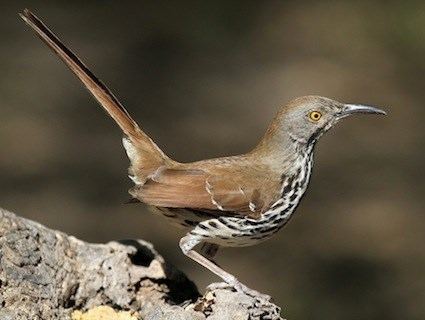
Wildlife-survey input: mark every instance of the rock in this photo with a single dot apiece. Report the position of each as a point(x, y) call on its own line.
point(46, 274)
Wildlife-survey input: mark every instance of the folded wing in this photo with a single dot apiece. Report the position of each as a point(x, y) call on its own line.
point(197, 189)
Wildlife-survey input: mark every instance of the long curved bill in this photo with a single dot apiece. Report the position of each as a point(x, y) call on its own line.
point(350, 109)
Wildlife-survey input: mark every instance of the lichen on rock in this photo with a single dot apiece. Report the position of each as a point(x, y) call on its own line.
point(103, 313)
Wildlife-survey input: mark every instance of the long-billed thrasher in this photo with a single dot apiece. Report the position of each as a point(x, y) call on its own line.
point(231, 201)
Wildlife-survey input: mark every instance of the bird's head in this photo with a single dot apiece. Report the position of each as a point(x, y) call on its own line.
point(306, 119)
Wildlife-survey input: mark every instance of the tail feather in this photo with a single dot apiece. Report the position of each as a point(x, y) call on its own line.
point(147, 152)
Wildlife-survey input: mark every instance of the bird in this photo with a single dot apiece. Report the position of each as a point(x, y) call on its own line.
point(232, 201)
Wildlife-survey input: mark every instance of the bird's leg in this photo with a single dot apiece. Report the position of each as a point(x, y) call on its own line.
point(187, 244)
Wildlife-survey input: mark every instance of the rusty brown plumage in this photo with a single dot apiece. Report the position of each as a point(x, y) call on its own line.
point(231, 187)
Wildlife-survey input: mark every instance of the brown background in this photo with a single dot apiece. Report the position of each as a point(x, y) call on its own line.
point(204, 79)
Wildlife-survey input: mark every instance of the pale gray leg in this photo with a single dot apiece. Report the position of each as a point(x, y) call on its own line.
point(187, 244)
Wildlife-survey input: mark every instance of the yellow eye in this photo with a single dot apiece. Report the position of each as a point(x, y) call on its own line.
point(315, 115)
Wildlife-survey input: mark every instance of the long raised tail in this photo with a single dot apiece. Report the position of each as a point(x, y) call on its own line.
point(144, 154)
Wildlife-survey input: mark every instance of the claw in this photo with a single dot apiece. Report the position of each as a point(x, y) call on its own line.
point(264, 298)
point(220, 285)
point(239, 287)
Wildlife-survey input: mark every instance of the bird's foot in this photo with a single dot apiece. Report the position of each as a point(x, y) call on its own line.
point(219, 285)
point(239, 287)
point(263, 298)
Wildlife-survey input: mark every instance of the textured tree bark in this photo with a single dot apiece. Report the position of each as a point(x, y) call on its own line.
point(46, 274)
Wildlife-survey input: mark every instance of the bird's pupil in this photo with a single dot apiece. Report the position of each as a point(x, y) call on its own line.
point(315, 116)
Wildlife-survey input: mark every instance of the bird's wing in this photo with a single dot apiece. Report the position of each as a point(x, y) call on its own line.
point(197, 189)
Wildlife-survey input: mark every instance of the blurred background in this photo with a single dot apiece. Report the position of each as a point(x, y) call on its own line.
point(204, 79)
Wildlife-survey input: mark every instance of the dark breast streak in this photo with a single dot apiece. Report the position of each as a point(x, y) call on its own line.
point(242, 231)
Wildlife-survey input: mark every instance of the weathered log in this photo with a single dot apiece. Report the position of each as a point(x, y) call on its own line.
point(46, 274)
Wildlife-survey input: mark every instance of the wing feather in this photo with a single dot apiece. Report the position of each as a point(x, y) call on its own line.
point(197, 189)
